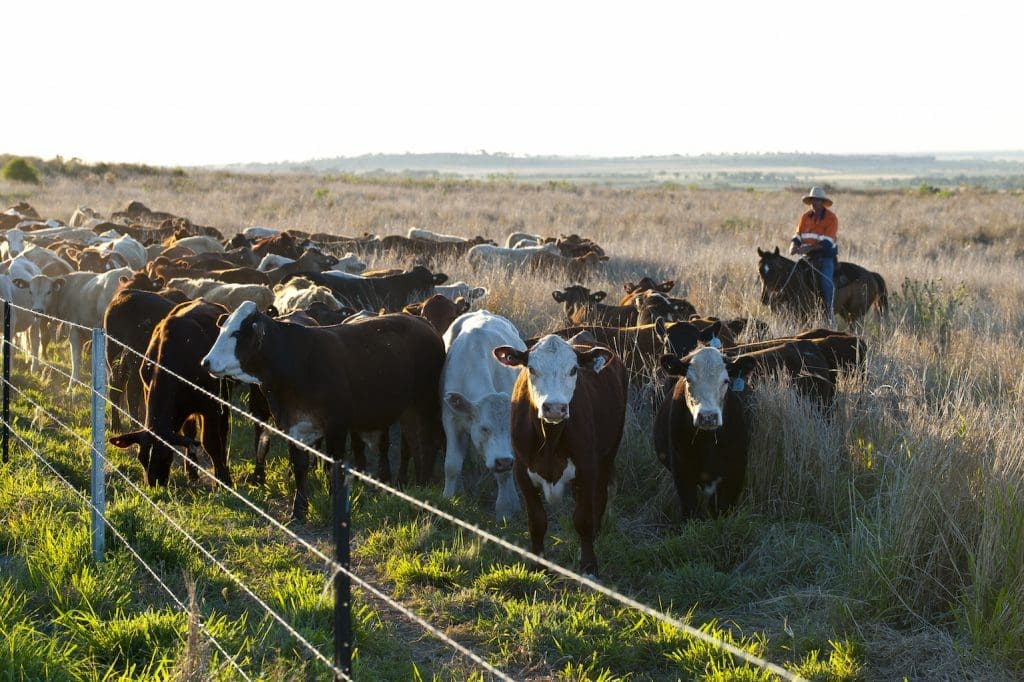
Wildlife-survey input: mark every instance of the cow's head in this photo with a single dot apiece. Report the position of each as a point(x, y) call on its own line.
point(707, 376)
point(15, 241)
point(156, 453)
point(651, 305)
point(351, 263)
point(241, 334)
point(42, 290)
point(487, 421)
point(553, 366)
point(576, 297)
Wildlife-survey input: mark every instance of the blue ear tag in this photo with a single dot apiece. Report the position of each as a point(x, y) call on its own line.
point(738, 384)
point(715, 342)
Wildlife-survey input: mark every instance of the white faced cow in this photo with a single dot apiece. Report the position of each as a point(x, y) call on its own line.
point(568, 412)
point(476, 393)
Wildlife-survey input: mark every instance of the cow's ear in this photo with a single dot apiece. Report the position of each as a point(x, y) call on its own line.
point(510, 357)
point(558, 295)
point(413, 309)
point(459, 403)
point(123, 279)
point(710, 332)
point(776, 251)
point(58, 284)
point(740, 366)
point(477, 292)
point(596, 358)
point(760, 253)
point(220, 320)
point(628, 287)
point(674, 366)
point(660, 329)
point(461, 305)
point(440, 278)
point(666, 286)
point(20, 283)
point(604, 259)
point(598, 296)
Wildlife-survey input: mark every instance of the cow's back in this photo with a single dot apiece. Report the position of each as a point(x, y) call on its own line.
point(470, 367)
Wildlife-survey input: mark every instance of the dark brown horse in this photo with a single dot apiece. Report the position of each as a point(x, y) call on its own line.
point(793, 285)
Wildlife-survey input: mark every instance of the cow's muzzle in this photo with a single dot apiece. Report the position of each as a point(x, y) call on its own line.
point(502, 465)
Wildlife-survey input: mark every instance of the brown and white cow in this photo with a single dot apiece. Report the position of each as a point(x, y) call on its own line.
point(568, 412)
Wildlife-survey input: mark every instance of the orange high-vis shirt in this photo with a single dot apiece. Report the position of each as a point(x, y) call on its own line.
point(810, 230)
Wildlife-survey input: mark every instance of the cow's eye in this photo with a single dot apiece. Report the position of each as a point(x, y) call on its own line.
point(572, 372)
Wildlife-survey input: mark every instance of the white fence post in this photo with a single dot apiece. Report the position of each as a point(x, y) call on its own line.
point(99, 441)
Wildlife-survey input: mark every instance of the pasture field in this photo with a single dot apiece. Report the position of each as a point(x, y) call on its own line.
point(883, 543)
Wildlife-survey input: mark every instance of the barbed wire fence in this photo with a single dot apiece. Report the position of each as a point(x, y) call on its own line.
point(337, 568)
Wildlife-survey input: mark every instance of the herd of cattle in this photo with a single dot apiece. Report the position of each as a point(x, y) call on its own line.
point(333, 355)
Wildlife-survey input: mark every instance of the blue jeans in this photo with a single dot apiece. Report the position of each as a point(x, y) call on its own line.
point(826, 269)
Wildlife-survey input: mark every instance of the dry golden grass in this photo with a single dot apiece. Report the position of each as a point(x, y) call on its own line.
point(920, 470)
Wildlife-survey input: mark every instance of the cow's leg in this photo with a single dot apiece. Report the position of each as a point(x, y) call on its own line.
point(215, 442)
point(536, 515)
point(455, 452)
point(190, 430)
point(260, 436)
point(358, 450)
point(300, 469)
point(686, 485)
point(507, 503)
point(35, 335)
point(584, 520)
point(384, 448)
point(75, 340)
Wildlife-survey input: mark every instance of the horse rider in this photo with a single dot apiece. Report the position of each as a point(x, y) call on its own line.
point(816, 239)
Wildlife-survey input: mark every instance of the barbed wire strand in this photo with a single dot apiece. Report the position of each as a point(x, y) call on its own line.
point(312, 649)
point(228, 658)
point(333, 564)
point(735, 651)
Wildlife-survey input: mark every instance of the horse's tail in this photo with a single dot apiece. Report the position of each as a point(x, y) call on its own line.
point(883, 294)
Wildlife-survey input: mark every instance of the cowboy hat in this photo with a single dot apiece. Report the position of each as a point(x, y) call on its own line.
point(817, 193)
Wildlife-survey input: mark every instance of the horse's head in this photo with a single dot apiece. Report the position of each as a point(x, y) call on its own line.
point(774, 269)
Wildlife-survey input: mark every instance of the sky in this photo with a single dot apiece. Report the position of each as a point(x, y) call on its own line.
point(215, 82)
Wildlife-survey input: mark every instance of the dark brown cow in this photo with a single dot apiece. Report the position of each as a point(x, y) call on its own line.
point(129, 320)
point(175, 412)
point(438, 310)
point(582, 306)
point(645, 284)
point(650, 305)
point(392, 292)
point(325, 382)
point(568, 413)
point(283, 244)
point(802, 360)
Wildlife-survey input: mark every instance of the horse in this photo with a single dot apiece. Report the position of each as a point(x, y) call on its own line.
point(793, 285)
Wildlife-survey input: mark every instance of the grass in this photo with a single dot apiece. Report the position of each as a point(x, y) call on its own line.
point(882, 541)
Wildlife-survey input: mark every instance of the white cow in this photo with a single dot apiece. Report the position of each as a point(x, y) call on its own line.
point(22, 321)
point(418, 233)
point(199, 244)
point(476, 392)
point(517, 237)
point(80, 298)
point(133, 251)
point(456, 289)
point(487, 255)
point(299, 293)
point(228, 295)
point(257, 232)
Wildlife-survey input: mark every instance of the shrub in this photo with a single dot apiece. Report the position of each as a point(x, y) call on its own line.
point(20, 170)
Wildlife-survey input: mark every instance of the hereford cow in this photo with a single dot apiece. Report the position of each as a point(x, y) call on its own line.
point(323, 382)
point(476, 405)
point(177, 413)
point(568, 413)
point(701, 432)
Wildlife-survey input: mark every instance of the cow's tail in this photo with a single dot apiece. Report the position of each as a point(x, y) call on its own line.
point(883, 294)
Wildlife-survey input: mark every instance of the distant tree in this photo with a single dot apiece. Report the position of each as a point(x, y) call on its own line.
point(20, 170)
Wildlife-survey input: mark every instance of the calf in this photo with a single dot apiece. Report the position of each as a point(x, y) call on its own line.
point(176, 412)
point(476, 405)
point(323, 382)
point(701, 432)
point(568, 413)
point(581, 305)
point(79, 297)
